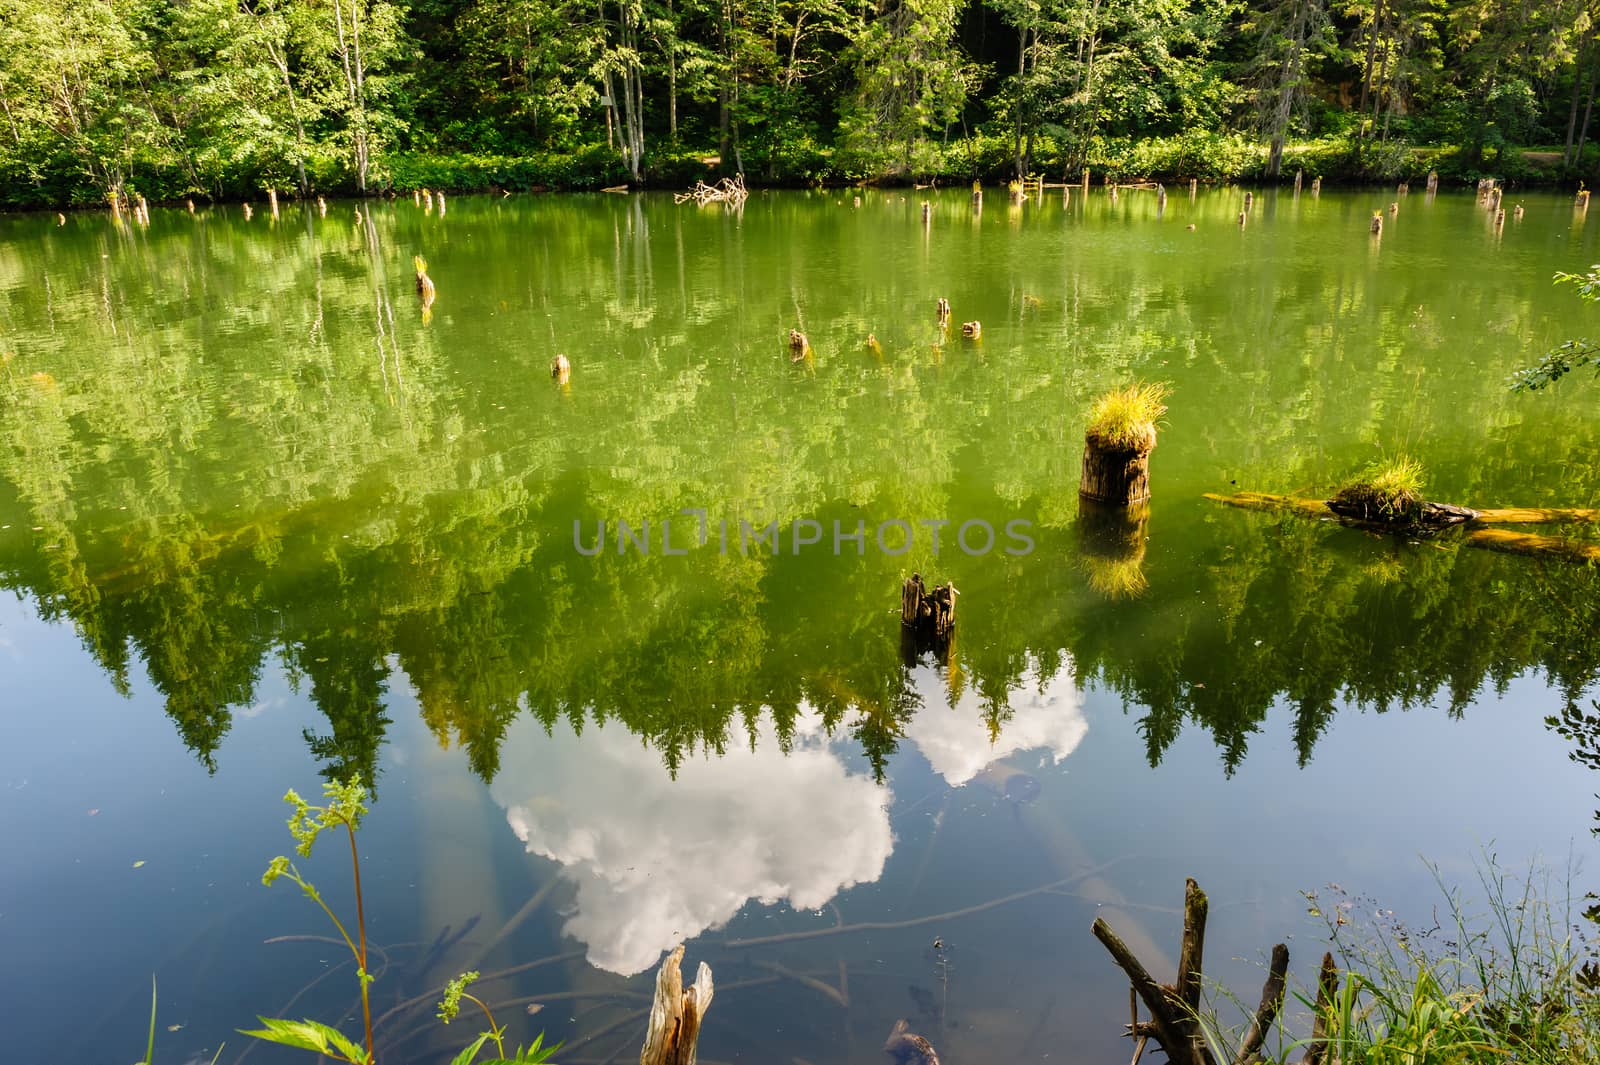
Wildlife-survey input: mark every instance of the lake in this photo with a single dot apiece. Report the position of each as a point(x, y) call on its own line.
point(267, 521)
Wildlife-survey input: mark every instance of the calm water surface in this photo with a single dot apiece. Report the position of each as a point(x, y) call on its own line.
point(266, 522)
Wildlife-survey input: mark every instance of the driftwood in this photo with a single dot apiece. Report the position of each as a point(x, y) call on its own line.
point(1175, 1008)
point(933, 611)
point(1474, 530)
point(730, 191)
point(676, 1013)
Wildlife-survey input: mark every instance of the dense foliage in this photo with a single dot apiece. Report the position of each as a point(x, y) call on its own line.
point(220, 98)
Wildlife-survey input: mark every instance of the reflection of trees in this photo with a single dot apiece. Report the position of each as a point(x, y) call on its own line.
point(341, 486)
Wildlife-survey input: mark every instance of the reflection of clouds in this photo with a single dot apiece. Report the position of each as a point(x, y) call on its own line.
point(658, 860)
point(955, 740)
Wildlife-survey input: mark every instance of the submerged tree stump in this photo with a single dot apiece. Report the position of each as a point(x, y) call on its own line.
point(676, 1013)
point(907, 1047)
point(932, 611)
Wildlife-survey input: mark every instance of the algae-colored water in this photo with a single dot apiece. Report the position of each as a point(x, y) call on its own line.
point(265, 523)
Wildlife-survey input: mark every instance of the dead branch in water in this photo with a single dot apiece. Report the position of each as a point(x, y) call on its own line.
point(932, 918)
point(729, 191)
point(1175, 1008)
point(676, 1014)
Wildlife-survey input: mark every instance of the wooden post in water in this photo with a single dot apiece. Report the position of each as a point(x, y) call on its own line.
point(1249, 198)
point(1316, 187)
point(249, 212)
point(1500, 218)
point(1517, 214)
point(560, 369)
point(1244, 218)
point(942, 309)
point(676, 1013)
point(1394, 209)
point(190, 205)
point(1298, 174)
point(927, 212)
point(1582, 202)
point(1377, 223)
point(322, 207)
point(1433, 181)
point(929, 611)
point(1194, 185)
point(272, 200)
point(1403, 189)
point(1161, 200)
point(1085, 179)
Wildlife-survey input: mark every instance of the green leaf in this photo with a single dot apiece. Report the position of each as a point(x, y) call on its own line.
point(307, 1035)
point(466, 1056)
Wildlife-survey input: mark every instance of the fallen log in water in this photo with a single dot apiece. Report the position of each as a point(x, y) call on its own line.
point(1491, 539)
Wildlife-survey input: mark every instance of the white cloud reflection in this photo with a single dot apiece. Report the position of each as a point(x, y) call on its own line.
point(658, 860)
point(955, 740)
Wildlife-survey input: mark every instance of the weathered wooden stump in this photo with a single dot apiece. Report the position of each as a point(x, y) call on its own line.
point(1244, 219)
point(272, 201)
point(1298, 175)
point(676, 1014)
point(560, 369)
point(425, 287)
point(1583, 199)
point(1249, 198)
point(1316, 186)
point(1377, 223)
point(1116, 475)
point(972, 330)
point(1433, 181)
point(799, 346)
point(942, 308)
point(927, 212)
point(932, 611)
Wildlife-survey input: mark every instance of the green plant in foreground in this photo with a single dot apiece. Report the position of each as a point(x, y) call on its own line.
point(1125, 419)
point(1561, 360)
point(1390, 489)
point(345, 806)
point(450, 1006)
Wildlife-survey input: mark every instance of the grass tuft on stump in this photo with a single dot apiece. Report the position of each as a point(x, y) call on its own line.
point(1389, 490)
point(1125, 419)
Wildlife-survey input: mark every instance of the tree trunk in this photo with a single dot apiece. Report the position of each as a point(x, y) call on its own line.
point(1588, 106)
point(1114, 476)
point(1572, 114)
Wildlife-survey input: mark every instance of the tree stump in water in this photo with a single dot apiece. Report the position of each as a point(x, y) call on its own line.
point(676, 1013)
point(1120, 476)
point(928, 610)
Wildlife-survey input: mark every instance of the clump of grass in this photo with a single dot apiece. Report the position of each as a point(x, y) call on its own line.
point(1388, 490)
point(1125, 419)
point(1511, 977)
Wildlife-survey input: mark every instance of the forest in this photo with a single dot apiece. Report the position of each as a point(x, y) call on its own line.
point(222, 99)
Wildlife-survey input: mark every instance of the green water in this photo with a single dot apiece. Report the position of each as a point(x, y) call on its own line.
point(267, 520)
